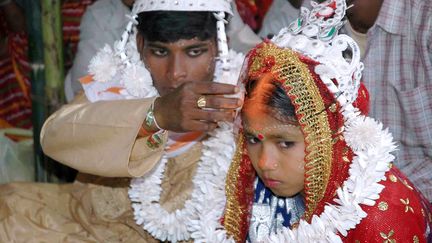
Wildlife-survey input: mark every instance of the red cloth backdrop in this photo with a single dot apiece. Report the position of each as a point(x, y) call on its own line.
point(72, 11)
point(253, 11)
point(15, 102)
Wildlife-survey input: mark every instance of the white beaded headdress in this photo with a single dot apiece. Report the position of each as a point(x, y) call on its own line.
point(121, 67)
point(182, 5)
point(315, 34)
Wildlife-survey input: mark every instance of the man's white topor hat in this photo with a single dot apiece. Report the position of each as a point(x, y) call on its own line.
point(182, 5)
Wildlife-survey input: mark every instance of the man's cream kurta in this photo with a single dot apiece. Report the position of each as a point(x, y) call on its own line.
point(97, 138)
point(100, 138)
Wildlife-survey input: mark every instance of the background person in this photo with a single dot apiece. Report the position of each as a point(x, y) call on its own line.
point(397, 55)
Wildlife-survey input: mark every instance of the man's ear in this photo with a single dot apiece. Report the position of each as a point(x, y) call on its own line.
point(140, 43)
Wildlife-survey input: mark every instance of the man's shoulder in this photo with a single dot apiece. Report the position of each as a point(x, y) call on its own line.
point(105, 8)
point(106, 15)
point(409, 17)
point(103, 4)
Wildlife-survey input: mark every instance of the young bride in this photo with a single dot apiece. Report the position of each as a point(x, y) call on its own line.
point(310, 165)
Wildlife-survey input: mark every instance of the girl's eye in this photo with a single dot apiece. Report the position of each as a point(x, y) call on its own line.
point(252, 139)
point(286, 144)
point(159, 52)
point(196, 52)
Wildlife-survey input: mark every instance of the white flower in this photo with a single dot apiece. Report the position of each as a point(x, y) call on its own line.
point(325, 71)
point(132, 51)
point(138, 82)
point(104, 65)
point(363, 133)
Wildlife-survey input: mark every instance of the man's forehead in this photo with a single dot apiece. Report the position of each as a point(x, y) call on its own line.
point(182, 43)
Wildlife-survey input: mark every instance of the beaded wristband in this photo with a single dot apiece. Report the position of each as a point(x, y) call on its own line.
point(154, 139)
point(150, 118)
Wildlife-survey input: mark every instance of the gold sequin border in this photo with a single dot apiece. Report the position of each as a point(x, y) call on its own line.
point(233, 209)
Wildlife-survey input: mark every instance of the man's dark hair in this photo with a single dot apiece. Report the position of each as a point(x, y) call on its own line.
point(171, 26)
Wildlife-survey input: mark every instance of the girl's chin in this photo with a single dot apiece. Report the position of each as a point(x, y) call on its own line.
point(284, 193)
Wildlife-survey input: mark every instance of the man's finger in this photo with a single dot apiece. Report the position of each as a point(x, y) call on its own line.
point(212, 88)
point(220, 102)
point(196, 125)
point(214, 115)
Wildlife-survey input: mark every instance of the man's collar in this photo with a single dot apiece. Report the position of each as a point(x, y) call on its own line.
point(392, 17)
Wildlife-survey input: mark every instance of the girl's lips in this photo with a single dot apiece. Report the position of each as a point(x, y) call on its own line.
point(271, 183)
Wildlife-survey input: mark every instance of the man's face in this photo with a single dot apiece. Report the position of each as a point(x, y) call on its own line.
point(171, 64)
point(128, 3)
point(363, 14)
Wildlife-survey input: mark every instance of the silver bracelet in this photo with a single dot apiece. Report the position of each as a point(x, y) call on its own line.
point(150, 119)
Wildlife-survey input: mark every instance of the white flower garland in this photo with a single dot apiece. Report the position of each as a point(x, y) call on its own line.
point(210, 199)
point(199, 219)
point(195, 220)
point(370, 143)
point(200, 216)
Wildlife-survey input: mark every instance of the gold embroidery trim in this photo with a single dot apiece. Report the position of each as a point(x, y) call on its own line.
point(310, 113)
point(232, 219)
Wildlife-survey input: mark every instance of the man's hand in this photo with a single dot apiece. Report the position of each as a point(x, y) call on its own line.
point(178, 111)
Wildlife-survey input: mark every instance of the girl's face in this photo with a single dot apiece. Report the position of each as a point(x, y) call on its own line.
point(277, 151)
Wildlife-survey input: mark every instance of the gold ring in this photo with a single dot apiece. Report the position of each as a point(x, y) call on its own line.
point(201, 102)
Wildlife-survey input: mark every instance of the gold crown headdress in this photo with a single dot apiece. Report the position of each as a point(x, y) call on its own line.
point(315, 34)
